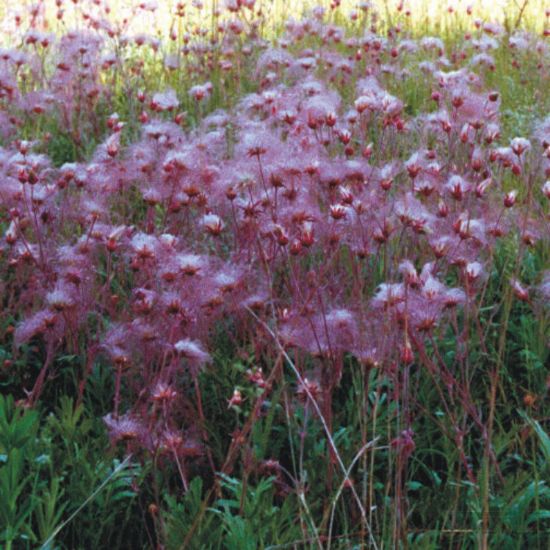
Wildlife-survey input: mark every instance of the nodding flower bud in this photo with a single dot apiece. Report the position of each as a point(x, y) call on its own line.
point(23, 176)
point(519, 290)
point(308, 390)
point(33, 178)
point(295, 247)
point(546, 189)
point(24, 147)
point(344, 136)
point(281, 235)
point(510, 198)
point(256, 376)
point(407, 355)
point(11, 234)
point(345, 194)
point(236, 399)
point(337, 211)
point(112, 145)
point(367, 151)
point(330, 119)
point(112, 150)
point(386, 184)
point(306, 236)
point(493, 96)
point(284, 315)
point(528, 238)
point(112, 120)
point(413, 169)
point(457, 101)
point(482, 187)
point(231, 194)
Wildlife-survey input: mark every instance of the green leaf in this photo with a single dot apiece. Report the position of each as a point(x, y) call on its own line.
point(538, 515)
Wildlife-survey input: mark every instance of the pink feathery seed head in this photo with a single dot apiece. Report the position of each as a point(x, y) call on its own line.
point(213, 224)
point(125, 428)
point(491, 133)
point(389, 294)
point(173, 304)
point(202, 91)
point(61, 298)
point(453, 297)
point(411, 212)
point(163, 393)
point(192, 351)
point(473, 271)
point(227, 279)
point(165, 101)
point(410, 275)
point(144, 300)
point(38, 324)
point(520, 145)
point(144, 331)
point(190, 264)
point(457, 187)
point(432, 289)
point(145, 246)
point(424, 185)
point(467, 227)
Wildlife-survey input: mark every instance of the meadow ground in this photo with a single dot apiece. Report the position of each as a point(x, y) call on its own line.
point(274, 275)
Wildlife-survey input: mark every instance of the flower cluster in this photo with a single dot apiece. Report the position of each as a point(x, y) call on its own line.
point(348, 223)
